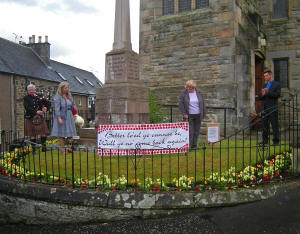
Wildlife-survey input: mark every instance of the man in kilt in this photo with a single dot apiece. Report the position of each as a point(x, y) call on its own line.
point(35, 124)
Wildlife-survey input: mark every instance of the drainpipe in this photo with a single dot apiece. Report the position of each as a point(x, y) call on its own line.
point(12, 106)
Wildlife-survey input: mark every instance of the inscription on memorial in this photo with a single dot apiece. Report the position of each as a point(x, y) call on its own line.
point(116, 67)
point(133, 71)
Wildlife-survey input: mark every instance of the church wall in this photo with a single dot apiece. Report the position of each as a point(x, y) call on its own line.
point(283, 39)
point(205, 45)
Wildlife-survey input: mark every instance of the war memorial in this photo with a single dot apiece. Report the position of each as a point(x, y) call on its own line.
point(145, 170)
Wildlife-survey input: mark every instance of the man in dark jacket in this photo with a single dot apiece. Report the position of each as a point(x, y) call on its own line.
point(192, 107)
point(270, 92)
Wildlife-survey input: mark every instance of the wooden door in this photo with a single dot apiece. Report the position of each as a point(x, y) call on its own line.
point(259, 81)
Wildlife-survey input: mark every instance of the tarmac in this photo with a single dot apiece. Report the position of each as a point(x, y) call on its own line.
point(279, 214)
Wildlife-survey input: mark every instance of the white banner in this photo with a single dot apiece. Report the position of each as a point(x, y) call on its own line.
point(143, 138)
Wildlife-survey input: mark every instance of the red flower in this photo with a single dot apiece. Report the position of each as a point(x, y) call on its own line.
point(69, 185)
point(138, 189)
point(156, 188)
point(267, 178)
point(197, 188)
point(229, 186)
point(114, 189)
point(98, 188)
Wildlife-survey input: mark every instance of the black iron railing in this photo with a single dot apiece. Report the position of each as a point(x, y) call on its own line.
point(239, 160)
point(171, 108)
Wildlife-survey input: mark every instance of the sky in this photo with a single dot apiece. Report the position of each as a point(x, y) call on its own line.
point(80, 32)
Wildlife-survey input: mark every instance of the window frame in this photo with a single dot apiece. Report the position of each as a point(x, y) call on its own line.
point(78, 79)
point(184, 9)
point(278, 10)
point(166, 9)
point(202, 7)
point(61, 76)
point(279, 71)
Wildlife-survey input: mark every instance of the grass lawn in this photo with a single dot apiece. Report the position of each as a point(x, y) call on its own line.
point(197, 163)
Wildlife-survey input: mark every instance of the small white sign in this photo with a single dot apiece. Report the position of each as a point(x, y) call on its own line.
point(213, 133)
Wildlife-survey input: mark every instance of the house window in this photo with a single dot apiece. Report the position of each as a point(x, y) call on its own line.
point(184, 5)
point(280, 9)
point(79, 101)
point(61, 76)
point(202, 4)
point(90, 101)
point(99, 83)
point(168, 7)
point(90, 83)
point(281, 72)
point(77, 78)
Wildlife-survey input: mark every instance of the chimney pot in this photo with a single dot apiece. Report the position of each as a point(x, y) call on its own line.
point(46, 39)
point(33, 39)
point(40, 39)
point(29, 40)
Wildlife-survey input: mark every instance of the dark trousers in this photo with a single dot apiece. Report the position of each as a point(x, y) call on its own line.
point(268, 118)
point(194, 128)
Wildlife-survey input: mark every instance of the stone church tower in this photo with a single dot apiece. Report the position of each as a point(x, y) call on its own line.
point(221, 44)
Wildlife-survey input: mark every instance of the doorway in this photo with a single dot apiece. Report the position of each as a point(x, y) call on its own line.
point(259, 81)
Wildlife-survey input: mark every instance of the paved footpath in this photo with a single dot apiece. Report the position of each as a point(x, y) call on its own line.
point(280, 214)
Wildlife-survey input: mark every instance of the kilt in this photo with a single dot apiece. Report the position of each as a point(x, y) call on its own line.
point(34, 130)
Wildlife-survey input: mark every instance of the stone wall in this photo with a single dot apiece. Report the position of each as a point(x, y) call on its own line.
point(42, 204)
point(283, 38)
point(5, 105)
point(203, 45)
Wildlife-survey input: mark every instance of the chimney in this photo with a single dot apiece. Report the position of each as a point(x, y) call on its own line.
point(42, 49)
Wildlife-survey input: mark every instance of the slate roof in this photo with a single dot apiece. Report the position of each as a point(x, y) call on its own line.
point(80, 81)
point(22, 60)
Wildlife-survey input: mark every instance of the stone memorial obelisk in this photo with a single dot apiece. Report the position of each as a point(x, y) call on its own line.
point(123, 99)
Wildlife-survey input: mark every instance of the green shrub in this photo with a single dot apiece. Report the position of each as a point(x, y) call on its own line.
point(157, 113)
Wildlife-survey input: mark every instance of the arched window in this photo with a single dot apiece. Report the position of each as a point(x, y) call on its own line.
point(168, 7)
point(202, 4)
point(184, 5)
